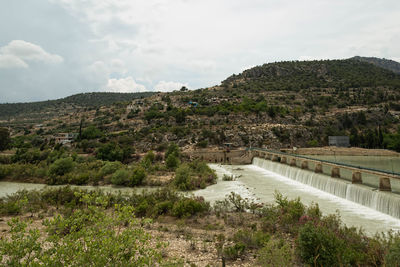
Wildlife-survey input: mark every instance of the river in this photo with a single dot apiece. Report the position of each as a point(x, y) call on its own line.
point(257, 182)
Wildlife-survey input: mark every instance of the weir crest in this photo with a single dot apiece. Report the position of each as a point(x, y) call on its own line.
point(384, 202)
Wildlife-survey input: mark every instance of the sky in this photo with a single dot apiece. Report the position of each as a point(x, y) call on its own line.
point(51, 49)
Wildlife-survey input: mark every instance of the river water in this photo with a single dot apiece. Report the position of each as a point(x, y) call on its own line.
point(260, 180)
point(260, 184)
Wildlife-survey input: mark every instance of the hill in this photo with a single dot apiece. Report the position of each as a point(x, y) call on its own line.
point(381, 62)
point(296, 75)
point(275, 105)
point(83, 100)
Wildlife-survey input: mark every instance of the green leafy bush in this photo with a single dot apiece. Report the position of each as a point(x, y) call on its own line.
point(110, 152)
point(188, 207)
point(276, 253)
point(137, 176)
point(61, 166)
point(110, 168)
point(234, 252)
point(172, 161)
point(90, 237)
point(120, 177)
point(392, 257)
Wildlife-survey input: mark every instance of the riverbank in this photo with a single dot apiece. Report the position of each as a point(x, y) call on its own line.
point(168, 228)
point(341, 151)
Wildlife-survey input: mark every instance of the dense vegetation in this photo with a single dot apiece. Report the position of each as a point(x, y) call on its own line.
point(110, 165)
point(104, 229)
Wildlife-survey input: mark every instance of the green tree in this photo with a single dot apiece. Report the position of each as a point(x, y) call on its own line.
point(91, 132)
point(110, 152)
point(172, 161)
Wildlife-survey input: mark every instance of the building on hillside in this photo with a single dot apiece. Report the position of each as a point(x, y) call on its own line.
point(65, 138)
point(339, 141)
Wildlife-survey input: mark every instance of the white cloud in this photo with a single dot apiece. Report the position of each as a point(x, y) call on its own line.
point(164, 86)
point(11, 61)
point(124, 85)
point(18, 53)
point(198, 42)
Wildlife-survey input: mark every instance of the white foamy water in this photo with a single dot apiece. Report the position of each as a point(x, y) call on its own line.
point(261, 183)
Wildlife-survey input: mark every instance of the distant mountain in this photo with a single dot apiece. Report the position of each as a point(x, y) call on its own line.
point(381, 62)
point(83, 100)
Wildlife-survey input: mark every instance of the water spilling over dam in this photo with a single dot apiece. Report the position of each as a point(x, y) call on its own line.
point(385, 202)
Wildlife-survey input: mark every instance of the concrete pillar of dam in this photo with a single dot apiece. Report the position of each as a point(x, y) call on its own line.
point(356, 178)
point(318, 168)
point(275, 158)
point(283, 160)
point(304, 165)
point(335, 173)
point(384, 184)
point(293, 162)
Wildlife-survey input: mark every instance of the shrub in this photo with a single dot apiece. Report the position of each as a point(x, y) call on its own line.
point(172, 149)
point(61, 166)
point(5, 170)
point(183, 178)
point(319, 246)
point(188, 207)
point(227, 177)
point(150, 156)
point(110, 168)
point(110, 152)
point(137, 176)
point(329, 244)
point(194, 175)
point(276, 253)
point(252, 239)
point(79, 178)
point(120, 177)
point(291, 212)
point(392, 258)
point(86, 238)
point(172, 161)
point(234, 252)
point(91, 132)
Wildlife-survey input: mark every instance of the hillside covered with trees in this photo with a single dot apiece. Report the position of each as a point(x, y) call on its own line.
point(276, 105)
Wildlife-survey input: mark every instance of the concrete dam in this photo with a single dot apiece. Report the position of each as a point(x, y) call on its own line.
point(371, 188)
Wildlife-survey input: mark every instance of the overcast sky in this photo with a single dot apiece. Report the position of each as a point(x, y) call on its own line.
point(54, 48)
